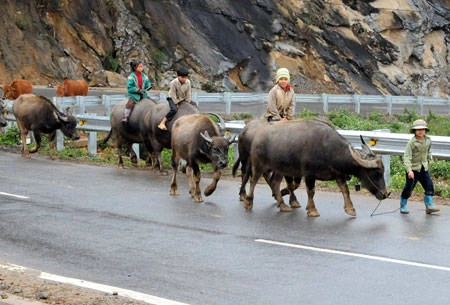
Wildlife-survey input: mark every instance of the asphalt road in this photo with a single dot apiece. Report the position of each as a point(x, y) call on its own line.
point(120, 227)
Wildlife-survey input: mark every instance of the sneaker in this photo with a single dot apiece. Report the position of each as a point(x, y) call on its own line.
point(162, 126)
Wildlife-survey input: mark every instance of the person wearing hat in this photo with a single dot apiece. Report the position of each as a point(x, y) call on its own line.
point(137, 85)
point(280, 105)
point(179, 91)
point(416, 159)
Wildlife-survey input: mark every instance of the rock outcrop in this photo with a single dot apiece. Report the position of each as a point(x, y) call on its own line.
point(398, 47)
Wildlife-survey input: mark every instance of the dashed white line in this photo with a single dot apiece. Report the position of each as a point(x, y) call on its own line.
point(110, 289)
point(371, 257)
point(14, 195)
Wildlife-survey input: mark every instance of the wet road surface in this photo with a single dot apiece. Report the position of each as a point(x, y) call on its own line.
point(120, 227)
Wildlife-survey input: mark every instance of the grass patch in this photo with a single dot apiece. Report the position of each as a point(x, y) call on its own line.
point(344, 119)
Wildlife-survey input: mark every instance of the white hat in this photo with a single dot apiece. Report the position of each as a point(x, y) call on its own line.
point(282, 72)
point(419, 124)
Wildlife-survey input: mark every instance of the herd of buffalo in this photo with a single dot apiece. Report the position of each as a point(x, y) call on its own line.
point(304, 148)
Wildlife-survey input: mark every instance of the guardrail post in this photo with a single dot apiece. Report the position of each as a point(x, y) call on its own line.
point(388, 101)
point(92, 143)
point(59, 140)
point(106, 100)
point(386, 159)
point(135, 147)
point(325, 102)
point(80, 103)
point(420, 103)
point(448, 103)
point(227, 100)
point(194, 98)
point(357, 103)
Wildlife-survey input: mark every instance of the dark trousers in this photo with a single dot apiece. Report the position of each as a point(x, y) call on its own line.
point(130, 104)
point(173, 109)
point(425, 180)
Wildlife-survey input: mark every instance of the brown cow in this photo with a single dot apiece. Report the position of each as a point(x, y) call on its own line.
point(71, 87)
point(38, 114)
point(196, 139)
point(16, 88)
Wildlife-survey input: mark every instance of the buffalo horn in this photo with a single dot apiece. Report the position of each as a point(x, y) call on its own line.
point(365, 148)
point(206, 136)
point(364, 163)
point(230, 138)
point(60, 117)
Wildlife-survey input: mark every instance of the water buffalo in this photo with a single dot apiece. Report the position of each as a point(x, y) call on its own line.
point(70, 87)
point(38, 114)
point(125, 135)
point(17, 88)
point(244, 145)
point(160, 139)
point(314, 150)
point(196, 139)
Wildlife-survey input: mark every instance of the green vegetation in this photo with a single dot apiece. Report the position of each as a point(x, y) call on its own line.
point(439, 125)
point(111, 63)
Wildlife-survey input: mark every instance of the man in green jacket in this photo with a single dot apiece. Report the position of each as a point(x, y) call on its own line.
point(417, 158)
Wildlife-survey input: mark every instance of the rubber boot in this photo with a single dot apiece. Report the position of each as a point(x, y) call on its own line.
point(403, 208)
point(429, 205)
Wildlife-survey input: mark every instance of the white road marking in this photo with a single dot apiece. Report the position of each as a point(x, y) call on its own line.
point(110, 289)
point(99, 287)
point(14, 195)
point(12, 267)
point(372, 257)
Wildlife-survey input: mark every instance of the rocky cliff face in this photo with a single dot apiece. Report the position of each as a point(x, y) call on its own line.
point(334, 46)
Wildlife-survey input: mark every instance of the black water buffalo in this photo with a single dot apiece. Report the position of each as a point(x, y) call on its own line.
point(159, 139)
point(314, 150)
point(38, 114)
point(196, 139)
point(244, 145)
point(124, 135)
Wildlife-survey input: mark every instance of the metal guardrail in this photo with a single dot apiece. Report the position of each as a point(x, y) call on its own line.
point(227, 99)
point(385, 143)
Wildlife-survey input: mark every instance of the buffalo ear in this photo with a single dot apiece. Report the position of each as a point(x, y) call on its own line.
point(68, 111)
point(231, 138)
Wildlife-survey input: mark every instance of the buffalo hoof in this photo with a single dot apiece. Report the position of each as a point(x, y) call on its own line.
point(248, 205)
point(163, 172)
point(209, 190)
point(284, 207)
point(295, 204)
point(198, 199)
point(284, 192)
point(242, 197)
point(350, 211)
point(313, 213)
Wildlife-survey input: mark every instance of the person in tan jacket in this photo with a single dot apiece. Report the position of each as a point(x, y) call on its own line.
point(180, 91)
point(281, 106)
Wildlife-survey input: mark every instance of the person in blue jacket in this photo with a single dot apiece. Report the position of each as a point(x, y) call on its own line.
point(137, 85)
